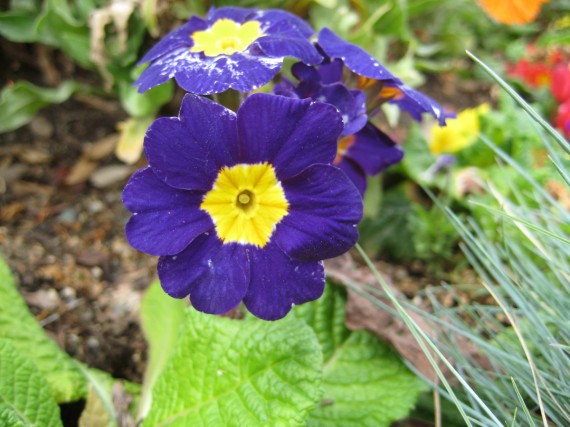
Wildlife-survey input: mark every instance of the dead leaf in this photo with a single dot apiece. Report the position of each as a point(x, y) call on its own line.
point(81, 171)
point(361, 313)
point(109, 175)
point(95, 414)
point(102, 148)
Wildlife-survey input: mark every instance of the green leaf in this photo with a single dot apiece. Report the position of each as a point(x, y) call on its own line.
point(25, 396)
point(19, 103)
point(18, 326)
point(161, 319)
point(239, 373)
point(57, 26)
point(365, 382)
point(19, 25)
point(143, 104)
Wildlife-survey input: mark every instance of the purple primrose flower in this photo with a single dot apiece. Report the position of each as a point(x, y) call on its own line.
point(378, 83)
point(232, 47)
point(243, 207)
point(363, 150)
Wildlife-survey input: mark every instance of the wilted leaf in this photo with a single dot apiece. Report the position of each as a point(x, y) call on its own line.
point(130, 145)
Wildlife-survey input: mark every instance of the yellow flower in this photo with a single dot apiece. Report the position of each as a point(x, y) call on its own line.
point(459, 133)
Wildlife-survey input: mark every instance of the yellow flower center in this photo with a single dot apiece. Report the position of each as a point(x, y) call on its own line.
point(246, 203)
point(226, 37)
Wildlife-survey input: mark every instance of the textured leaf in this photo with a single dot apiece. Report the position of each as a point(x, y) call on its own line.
point(365, 383)
point(239, 373)
point(18, 326)
point(20, 102)
point(25, 396)
point(161, 320)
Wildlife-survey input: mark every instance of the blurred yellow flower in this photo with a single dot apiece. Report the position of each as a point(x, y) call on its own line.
point(459, 133)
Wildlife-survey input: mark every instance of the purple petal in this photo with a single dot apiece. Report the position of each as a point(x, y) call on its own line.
point(356, 59)
point(354, 173)
point(289, 133)
point(187, 152)
point(165, 219)
point(373, 150)
point(200, 74)
point(236, 14)
point(274, 20)
point(331, 72)
point(416, 103)
point(279, 282)
point(279, 46)
point(352, 108)
point(324, 210)
point(306, 73)
point(179, 38)
point(216, 276)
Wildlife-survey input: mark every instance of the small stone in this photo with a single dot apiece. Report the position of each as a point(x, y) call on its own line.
point(40, 126)
point(68, 293)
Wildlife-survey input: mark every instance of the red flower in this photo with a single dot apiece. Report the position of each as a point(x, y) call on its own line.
point(534, 74)
point(562, 119)
point(560, 82)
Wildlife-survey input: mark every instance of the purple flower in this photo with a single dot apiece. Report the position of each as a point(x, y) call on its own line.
point(366, 153)
point(233, 47)
point(363, 150)
point(377, 82)
point(243, 207)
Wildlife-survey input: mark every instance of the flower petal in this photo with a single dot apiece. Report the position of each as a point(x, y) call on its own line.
point(275, 20)
point(279, 282)
point(174, 40)
point(354, 173)
point(187, 152)
point(373, 150)
point(200, 74)
point(416, 103)
point(356, 59)
point(289, 133)
point(282, 45)
point(324, 210)
point(216, 276)
point(165, 219)
point(236, 14)
point(240, 71)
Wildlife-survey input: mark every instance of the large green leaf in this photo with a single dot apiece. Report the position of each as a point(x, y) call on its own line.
point(20, 102)
point(25, 396)
point(365, 383)
point(239, 373)
point(161, 319)
point(18, 326)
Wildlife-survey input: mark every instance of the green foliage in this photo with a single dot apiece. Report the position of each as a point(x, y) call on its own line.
point(228, 373)
point(25, 396)
point(388, 233)
point(365, 383)
point(56, 23)
point(161, 320)
point(20, 329)
point(19, 103)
